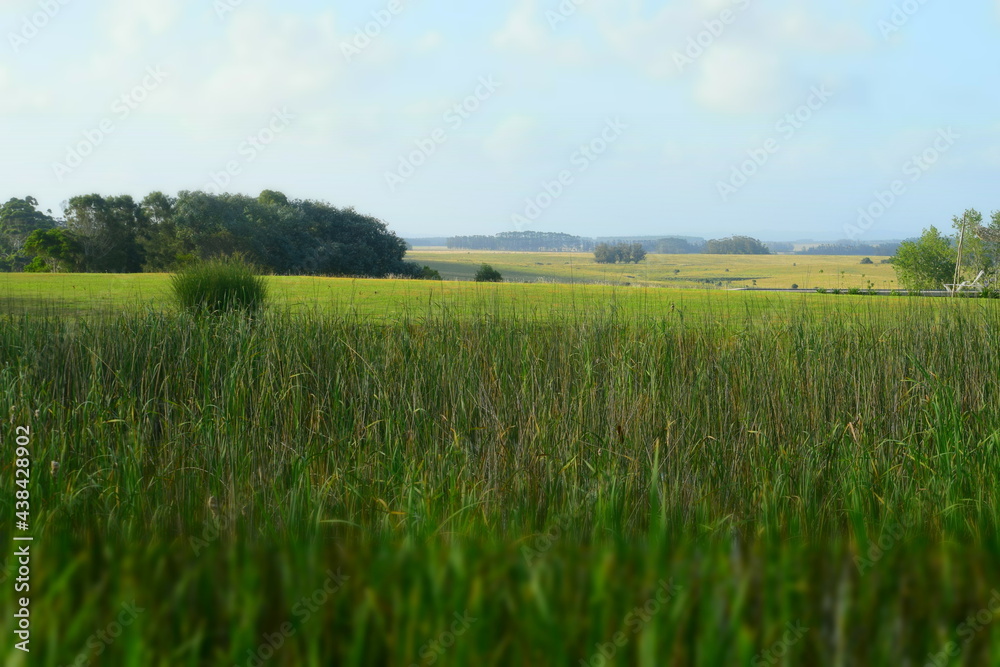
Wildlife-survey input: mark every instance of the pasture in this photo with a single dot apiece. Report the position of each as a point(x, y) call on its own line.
point(414, 473)
point(774, 271)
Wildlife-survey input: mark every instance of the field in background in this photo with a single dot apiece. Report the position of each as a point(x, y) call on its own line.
point(776, 271)
point(504, 475)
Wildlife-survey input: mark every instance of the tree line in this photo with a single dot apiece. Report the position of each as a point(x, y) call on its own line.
point(163, 233)
point(523, 242)
point(605, 253)
point(932, 261)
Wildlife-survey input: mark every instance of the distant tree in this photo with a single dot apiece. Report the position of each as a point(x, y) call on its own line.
point(427, 273)
point(927, 263)
point(867, 260)
point(636, 253)
point(672, 246)
point(605, 253)
point(487, 274)
point(736, 245)
point(522, 242)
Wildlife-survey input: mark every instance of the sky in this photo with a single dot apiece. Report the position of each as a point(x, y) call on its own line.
point(780, 119)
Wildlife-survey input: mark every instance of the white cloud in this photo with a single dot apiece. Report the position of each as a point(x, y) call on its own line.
point(263, 60)
point(741, 80)
point(513, 139)
point(130, 23)
point(526, 32)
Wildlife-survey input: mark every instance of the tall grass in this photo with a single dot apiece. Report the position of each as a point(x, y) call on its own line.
point(220, 285)
point(542, 474)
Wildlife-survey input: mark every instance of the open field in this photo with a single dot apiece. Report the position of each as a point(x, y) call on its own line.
point(465, 484)
point(95, 294)
point(778, 271)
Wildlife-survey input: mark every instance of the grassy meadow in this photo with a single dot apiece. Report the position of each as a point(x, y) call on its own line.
point(773, 271)
point(417, 473)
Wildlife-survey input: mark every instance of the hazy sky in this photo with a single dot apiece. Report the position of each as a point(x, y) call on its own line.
point(779, 119)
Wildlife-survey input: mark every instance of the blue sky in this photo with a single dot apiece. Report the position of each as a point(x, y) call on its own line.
point(782, 119)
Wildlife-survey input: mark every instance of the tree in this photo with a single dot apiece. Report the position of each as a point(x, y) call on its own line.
point(487, 274)
point(427, 273)
point(605, 254)
point(636, 253)
point(620, 252)
point(54, 249)
point(18, 219)
point(109, 230)
point(163, 249)
point(927, 263)
point(736, 245)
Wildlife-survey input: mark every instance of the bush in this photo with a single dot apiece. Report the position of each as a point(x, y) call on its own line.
point(220, 285)
point(427, 273)
point(794, 286)
point(867, 260)
point(487, 274)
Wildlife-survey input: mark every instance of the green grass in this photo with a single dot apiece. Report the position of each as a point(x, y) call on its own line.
point(218, 286)
point(105, 295)
point(686, 271)
point(824, 460)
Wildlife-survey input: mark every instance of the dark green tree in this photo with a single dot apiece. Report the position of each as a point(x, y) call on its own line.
point(55, 250)
point(109, 231)
point(487, 274)
point(736, 245)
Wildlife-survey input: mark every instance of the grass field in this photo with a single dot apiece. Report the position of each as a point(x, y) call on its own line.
point(503, 475)
point(776, 271)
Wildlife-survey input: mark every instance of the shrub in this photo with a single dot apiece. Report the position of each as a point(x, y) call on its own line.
point(220, 285)
point(427, 273)
point(854, 290)
point(867, 260)
point(794, 286)
point(487, 274)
